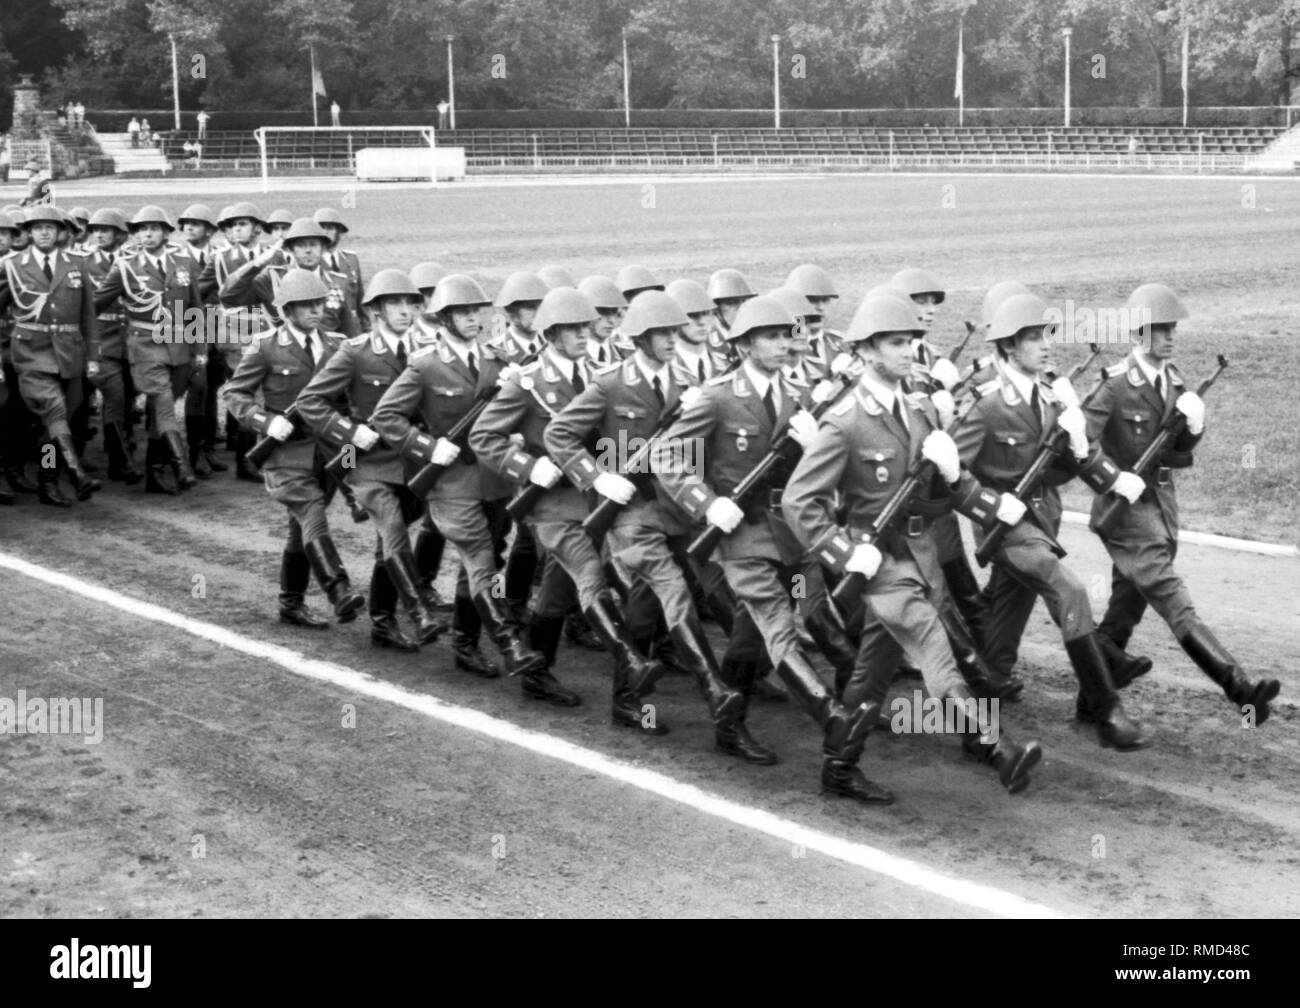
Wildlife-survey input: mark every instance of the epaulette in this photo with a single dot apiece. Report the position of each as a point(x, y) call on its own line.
point(842, 408)
point(609, 368)
point(989, 387)
point(357, 342)
point(422, 352)
point(531, 367)
point(721, 379)
point(916, 398)
point(1115, 370)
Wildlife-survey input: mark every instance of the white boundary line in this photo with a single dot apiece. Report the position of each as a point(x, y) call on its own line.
point(1209, 539)
point(970, 894)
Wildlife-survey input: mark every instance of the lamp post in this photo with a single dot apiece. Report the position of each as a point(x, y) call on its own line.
point(451, 84)
point(776, 81)
point(1065, 34)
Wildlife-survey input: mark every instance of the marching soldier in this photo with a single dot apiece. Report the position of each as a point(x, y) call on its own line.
point(19, 426)
point(632, 280)
point(556, 276)
point(610, 305)
point(429, 542)
point(1137, 396)
point(1003, 433)
point(697, 358)
point(729, 290)
point(52, 340)
point(814, 283)
point(440, 386)
point(863, 450)
point(274, 369)
point(197, 226)
point(362, 371)
point(337, 258)
point(157, 287)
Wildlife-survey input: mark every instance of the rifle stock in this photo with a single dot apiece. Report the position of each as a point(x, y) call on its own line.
point(602, 516)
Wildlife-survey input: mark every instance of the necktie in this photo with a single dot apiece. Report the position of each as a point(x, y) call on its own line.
point(46, 269)
point(1036, 404)
point(814, 348)
point(704, 376)
point(1160, 387)
point(578, 383)
point(769, 404)
point(898, 411)
point(600, 354)
point(309, 345)
point(401, 352)
point(658, 390)
point(472, 360)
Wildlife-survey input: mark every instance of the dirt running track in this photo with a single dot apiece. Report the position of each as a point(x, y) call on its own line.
point(207, 751)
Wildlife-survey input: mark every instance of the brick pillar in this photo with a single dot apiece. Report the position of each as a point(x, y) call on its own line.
point(27, 107)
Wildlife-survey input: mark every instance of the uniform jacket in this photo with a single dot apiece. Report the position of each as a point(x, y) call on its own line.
point(244, 321)
point(157, 304)
point(250, 287)
point(508, 348)
point(349, 265)
point(111, 328)
point(54, 327)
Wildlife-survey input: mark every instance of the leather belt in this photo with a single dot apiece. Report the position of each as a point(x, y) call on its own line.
point(45, 327)
point(1163, 476)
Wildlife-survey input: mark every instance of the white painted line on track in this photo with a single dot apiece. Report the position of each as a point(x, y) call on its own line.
point(1209, 539)
point(911, 873)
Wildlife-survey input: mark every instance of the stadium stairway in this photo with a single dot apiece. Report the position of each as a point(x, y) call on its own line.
point(1283, 154)
point(126, 158)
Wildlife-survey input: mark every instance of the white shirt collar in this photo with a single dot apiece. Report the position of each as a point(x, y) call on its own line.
point(308, 341)
point(391, 339)
point(525, 343)
point(651, 371)
point(692, 355)
point(458, 346)
point(1022, 382)
point(596, 346)
point(565, 365)
point(761, 383)
point(881, 392)
point(1150, 370)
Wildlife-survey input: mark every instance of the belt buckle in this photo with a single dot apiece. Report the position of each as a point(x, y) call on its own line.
point(915, 526)
point(1036, 500)
point(774, 499)
point(1163, 476)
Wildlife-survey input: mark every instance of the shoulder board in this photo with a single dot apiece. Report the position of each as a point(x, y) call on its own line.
point(357, 342)
point(265, 335)
point(424, 351)
point(843, 408)
point(337, 337)
point(721, 379)
point(989, 387)
point(341, 276)
point(490, 352)
point(608, 368)
point(530, 368)
point(917, 399)
point(1175, 376)
point(1115, 370)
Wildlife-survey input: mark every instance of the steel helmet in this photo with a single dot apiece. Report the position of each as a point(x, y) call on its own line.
point(152, 215)
point(7, 222)
point(556, 276)
point(794, 302)
point(602, 292)
point(564, 306)
point(276, 217)
point(69, 221)
point(300, 285)
point(456, 290)
point(883, 313)
point(759, 313)
point(1154, 304)
point(917, 281)
point(33, 165)
point(328, 215)
point(108, 217)
point(729, 283)
point(426, 275)
point(652, 309)
point(520, 286)
point(633, 279)
point(1019, 311)
point(305, 227)
point(198, 212)
point(42, 214)
point(80, 214)
point(243, 209)
point(811, 281)
point(690, 296)
point(998, 293)
point(390, 283)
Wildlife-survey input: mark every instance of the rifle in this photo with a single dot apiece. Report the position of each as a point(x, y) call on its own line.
point(957, 350)
point(602, 516)
point(782, 450)
point(427, 478)
point(847, 596)
point(1056, 442)
point(261, 451)
point(1117, 506)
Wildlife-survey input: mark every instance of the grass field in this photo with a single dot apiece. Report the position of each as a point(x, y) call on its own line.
point(1223, 243)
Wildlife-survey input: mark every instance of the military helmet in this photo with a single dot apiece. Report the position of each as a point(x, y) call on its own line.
point(305, 227)
point(43, 214)
point(390, 283)
point(811, 280)
point(690, 296)
point(80, 214)
point(70, 222)
point(426, 275)
point(328, 215)
point(456, 290)
point(652, 309)
point(7, 222)
point(602, 292)
point(108, 217)
point(152, 215)
point(729, 283)
point(198, 212)
point(300, 285)
point(759, 312)
point(1019, 311)
point(633, 279)
point(886, 312)
point(564, 306)
point(998, 293)
point(520, 286)
point(277, 217)
point(556, 276)
point(916, 282)
point(238, 210)
point(1154, 304)
point(794, 302)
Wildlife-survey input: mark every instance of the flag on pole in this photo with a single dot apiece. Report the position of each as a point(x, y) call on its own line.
point(959, 91)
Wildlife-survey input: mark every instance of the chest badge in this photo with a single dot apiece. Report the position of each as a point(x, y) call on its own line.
point(882, 474)
point(183, 277)
point(742, 440)
point(334, 299)
point(550, 397)
point(526, 383)
point(1134, 377)
point(74, 279)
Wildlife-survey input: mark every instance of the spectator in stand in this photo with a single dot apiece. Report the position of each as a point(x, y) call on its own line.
point(334, 113)
point(146, 132)
point(443, 109)
point(1133, 148)
point(202, 119)
point(81, 114)
point(133, 128)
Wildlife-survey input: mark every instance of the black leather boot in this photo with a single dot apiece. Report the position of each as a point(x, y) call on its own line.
point(333, 579)
point(634, 674)
point(428, 549)
point(180, 463)
point(834, 643)
point(156, 476)
point(295, 575)
point(544, 636)
point(245, 470)
point(578, 632)
point(988, 744)
point(194, 444)
point(385, 632)
point(84, 486)
point(1099, 696)
point(16, 477)
point(48, 480)
point(1124, 667)
point(467, 626)
point(731, 735)
point(208, 446)
point(401, 571)
point(121, 464)
point(1215, 661)
point(845, 737)
point(497, 620)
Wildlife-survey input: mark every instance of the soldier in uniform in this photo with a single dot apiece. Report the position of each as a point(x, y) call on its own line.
point(861, 453)
point(610, 304)
point(527, 402)
point(362, 371)
point(697, 359)
point(274, 369)
point(441, 385)
point(814, 283)
point(19, 426)
point(1016, 413)
point(337, 258)
point(556, 276)
point(632, 280)
point(1137, 396)
point(197, 226)
point(729, 290)
point(52, 340)
point(429, 542)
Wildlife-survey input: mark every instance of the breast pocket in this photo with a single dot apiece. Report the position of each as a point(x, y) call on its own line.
point(284, 378)
point(1008, 447)
point(880, 464)
point(741, 439)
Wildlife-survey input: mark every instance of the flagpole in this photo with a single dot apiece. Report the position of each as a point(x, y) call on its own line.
point(1187, 33)
point(312, 49)
point(627, 89)
point(961, 72)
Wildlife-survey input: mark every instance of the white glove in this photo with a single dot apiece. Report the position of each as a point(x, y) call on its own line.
point(1010, 510)
point(1065, 392)
point(545, 473)
point(803, 428)
point(1192, 406)
point(724, 514)
point(865, 561)
point(690, 396)
point(268, 253)
point(945, 373)
point(944, 403)
point(1130, 486)
point(92, 369)
point(279, 428)
point(445, 452)
point(940, 449)
point(364, 437)
point(615, 487)
point(1073, 422)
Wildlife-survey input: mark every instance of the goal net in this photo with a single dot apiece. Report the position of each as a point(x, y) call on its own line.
point(365, 152)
